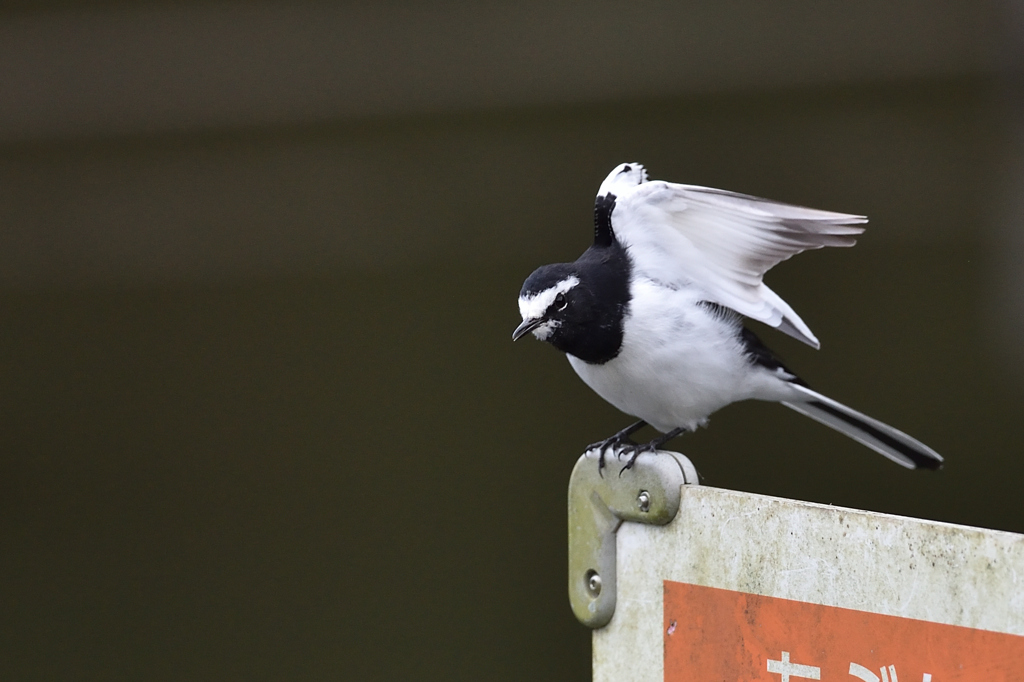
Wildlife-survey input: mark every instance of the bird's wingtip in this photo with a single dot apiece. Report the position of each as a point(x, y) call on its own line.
point(623, 177)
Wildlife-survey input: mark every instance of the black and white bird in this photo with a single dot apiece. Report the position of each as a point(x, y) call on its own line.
point(650, 316)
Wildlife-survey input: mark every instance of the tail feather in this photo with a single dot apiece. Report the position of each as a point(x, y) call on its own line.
point(882, 438)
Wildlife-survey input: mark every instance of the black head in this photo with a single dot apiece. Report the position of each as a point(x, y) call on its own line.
point(578, 307)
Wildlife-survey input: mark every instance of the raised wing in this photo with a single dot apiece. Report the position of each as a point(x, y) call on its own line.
point(722, 242)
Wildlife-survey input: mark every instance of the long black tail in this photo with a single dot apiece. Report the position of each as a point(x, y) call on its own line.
point(882, 438)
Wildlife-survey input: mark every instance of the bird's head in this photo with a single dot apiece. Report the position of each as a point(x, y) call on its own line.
point(574, 309)
point(545, 301)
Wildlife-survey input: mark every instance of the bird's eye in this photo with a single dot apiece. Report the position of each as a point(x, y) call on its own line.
point(560, 302)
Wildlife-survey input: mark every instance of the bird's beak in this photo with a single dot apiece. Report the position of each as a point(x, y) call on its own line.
point(527, 326)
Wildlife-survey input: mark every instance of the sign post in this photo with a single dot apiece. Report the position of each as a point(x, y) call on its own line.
point(736, 586)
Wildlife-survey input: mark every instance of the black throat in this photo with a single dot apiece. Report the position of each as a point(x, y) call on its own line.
point(593, 331)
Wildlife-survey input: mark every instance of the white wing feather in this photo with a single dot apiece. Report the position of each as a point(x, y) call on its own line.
point(720, 241)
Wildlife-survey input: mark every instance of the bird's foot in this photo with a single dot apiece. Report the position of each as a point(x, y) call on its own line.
point(616, 443)
point(620, 440)
point(634, 450)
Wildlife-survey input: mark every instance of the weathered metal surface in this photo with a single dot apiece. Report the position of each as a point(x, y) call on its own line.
point(599, 501)
point(813, 553)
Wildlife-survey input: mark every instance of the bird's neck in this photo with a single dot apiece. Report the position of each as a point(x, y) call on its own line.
point(595, 336)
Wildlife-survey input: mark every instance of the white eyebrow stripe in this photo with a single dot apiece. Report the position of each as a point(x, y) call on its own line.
point(535, 306)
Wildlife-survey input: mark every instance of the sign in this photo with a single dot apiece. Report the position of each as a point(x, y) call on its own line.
point(712, 634)
point(747, 588)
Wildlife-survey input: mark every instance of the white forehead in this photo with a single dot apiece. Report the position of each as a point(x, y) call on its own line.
point(535, 306)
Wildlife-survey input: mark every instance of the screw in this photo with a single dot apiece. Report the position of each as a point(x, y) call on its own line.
point(643, 501)
point(593, 583)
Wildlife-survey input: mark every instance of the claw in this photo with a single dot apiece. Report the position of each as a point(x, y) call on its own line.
point(616, 442)
point(651, 446)
point(619, 439)
point(622, 444)
point(636, 450)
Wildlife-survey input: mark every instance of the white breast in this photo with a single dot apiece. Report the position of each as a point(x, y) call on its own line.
point(679, 362)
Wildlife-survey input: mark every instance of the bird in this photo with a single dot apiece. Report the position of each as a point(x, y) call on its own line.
point(651, 315)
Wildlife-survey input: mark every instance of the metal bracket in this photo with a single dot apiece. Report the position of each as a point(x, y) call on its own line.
point(647, 493)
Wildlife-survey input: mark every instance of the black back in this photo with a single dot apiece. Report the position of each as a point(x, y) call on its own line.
point(603, 234)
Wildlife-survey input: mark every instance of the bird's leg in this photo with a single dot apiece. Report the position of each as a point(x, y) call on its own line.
point(652, 446)
point(620, 438)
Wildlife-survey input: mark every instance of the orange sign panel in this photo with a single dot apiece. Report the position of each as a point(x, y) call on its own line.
point(714, 635)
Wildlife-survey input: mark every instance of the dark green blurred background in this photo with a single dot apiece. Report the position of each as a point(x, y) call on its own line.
point(261, 415)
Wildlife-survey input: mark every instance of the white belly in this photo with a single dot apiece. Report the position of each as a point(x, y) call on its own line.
point(679, 362)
